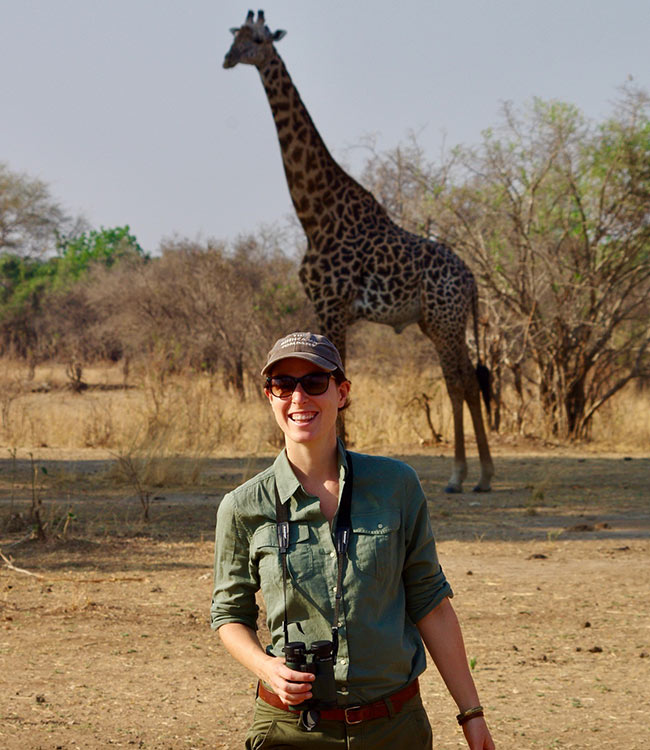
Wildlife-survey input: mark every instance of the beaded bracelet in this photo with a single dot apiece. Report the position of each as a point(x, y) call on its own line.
point(471, 713)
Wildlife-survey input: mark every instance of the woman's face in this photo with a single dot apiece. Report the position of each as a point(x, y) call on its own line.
point(303, 418)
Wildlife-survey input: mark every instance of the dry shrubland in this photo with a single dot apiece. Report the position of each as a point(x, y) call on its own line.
point(399, 404)
point(549, 212)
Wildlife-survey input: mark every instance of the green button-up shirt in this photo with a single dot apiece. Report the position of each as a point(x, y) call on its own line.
point(392, 577)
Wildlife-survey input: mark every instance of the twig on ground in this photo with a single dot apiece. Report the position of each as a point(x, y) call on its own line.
point(10, 565)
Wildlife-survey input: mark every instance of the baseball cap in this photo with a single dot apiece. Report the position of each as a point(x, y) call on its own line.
point(305, 345)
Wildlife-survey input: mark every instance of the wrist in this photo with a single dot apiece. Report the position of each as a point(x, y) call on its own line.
point(471, 713)
point(265, 666)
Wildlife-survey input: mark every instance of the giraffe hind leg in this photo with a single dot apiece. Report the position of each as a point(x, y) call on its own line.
point(463, 386)
point(472, 396)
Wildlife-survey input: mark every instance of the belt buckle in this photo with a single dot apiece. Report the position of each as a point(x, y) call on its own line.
point(348, 720)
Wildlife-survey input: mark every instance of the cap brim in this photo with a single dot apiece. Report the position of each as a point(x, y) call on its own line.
point(321, 362)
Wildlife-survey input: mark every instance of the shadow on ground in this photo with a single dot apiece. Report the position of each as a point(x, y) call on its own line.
point(533, 498)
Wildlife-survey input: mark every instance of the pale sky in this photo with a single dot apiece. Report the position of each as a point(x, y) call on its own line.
point(124, 109)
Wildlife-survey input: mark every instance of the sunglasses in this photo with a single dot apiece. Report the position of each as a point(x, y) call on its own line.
point(313, 384)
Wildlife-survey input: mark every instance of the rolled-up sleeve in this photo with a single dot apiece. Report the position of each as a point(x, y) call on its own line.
point(235, 580)
point(425, 583)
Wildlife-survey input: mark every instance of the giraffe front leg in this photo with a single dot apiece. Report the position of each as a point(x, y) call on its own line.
point(459, 471)
point(333, 324)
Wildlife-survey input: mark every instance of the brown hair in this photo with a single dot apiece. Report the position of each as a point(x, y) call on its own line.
point(339, 377)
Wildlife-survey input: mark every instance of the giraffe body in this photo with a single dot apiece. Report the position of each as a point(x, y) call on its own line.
point(359, 264)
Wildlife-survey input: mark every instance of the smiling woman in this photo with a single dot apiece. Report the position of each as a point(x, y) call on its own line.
point(341, 547)
point(305, 403)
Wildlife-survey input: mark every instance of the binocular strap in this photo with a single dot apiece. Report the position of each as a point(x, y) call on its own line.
point(342, 534)
point(309, 719)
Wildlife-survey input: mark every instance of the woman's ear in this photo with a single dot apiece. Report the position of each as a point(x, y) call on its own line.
point(344, 392)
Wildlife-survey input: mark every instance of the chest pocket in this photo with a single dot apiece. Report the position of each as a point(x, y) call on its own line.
point(374, 548)
point(266, 552)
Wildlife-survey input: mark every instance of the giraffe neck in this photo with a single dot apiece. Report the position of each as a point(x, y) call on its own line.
point(314, 178)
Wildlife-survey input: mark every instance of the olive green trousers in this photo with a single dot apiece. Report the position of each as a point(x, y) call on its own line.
point(278, 729)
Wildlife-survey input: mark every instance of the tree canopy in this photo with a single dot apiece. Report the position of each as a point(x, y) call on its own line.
point(553, 214)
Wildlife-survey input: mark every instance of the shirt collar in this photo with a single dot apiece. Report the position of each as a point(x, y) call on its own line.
point(286, 481)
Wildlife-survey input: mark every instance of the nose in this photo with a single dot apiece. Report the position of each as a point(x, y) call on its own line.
point(298, 395)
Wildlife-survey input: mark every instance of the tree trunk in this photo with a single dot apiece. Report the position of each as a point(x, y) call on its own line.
point(574, 405)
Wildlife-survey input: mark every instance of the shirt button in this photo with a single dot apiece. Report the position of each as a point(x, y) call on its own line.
point(334, 589)
point(380, 525)
point(332, 554)
point(343, 661)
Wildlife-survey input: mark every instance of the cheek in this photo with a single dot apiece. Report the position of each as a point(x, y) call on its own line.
point(279, 412)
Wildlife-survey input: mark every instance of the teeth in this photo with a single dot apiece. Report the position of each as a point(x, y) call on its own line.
point(303, 417)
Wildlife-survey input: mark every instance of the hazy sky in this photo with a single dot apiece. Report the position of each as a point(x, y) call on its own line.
point(124, 109)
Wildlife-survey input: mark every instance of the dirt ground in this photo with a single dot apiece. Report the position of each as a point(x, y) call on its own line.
point(106, 641)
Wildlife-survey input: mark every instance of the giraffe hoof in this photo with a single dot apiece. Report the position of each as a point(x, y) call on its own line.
point(452, 489)
point(478, 488)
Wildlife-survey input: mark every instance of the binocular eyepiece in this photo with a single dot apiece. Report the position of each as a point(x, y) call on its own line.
point(296, 652)
point(321, 665)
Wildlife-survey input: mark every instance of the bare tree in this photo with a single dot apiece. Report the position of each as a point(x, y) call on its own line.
point(29, 216)
point(408, 184)
point(202, 304)
point(554, 213)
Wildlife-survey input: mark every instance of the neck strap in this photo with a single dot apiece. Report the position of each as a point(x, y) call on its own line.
point(342, 532)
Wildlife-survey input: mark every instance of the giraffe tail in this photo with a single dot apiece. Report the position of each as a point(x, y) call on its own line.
point(482, 372)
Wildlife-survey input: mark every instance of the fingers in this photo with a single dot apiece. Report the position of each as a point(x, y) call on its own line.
point(292, 676)
point(291, 686)
point(296, 692)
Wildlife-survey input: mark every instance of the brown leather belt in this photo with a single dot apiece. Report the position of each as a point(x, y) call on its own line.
point(353, 714)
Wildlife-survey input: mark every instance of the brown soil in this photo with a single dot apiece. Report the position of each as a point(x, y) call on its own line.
point(108, 644)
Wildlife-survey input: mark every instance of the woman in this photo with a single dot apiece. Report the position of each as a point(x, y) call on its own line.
point(341, 547)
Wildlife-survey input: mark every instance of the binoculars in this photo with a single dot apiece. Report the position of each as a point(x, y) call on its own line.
point(323, 688)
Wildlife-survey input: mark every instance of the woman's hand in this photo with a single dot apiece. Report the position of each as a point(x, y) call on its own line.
point(290, 686)
point(477, 734)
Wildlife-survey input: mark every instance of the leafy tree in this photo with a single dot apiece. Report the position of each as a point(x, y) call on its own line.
point(554, 212)
point(105, 246)
point(42, 311)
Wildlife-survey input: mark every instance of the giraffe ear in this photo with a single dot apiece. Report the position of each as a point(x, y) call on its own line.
point(234, 30)
point(277, 35)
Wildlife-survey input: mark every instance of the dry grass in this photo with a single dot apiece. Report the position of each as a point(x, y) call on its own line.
point(157, 418)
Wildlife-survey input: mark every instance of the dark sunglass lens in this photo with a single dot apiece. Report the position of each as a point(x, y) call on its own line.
point(283, 386)
point(315, 383)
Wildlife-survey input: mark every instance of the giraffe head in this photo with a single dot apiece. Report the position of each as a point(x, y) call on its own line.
point(253, 43)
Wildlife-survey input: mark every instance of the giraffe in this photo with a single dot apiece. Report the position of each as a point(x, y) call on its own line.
point(359, 265)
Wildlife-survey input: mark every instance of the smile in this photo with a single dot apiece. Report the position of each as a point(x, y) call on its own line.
point(302, 417)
